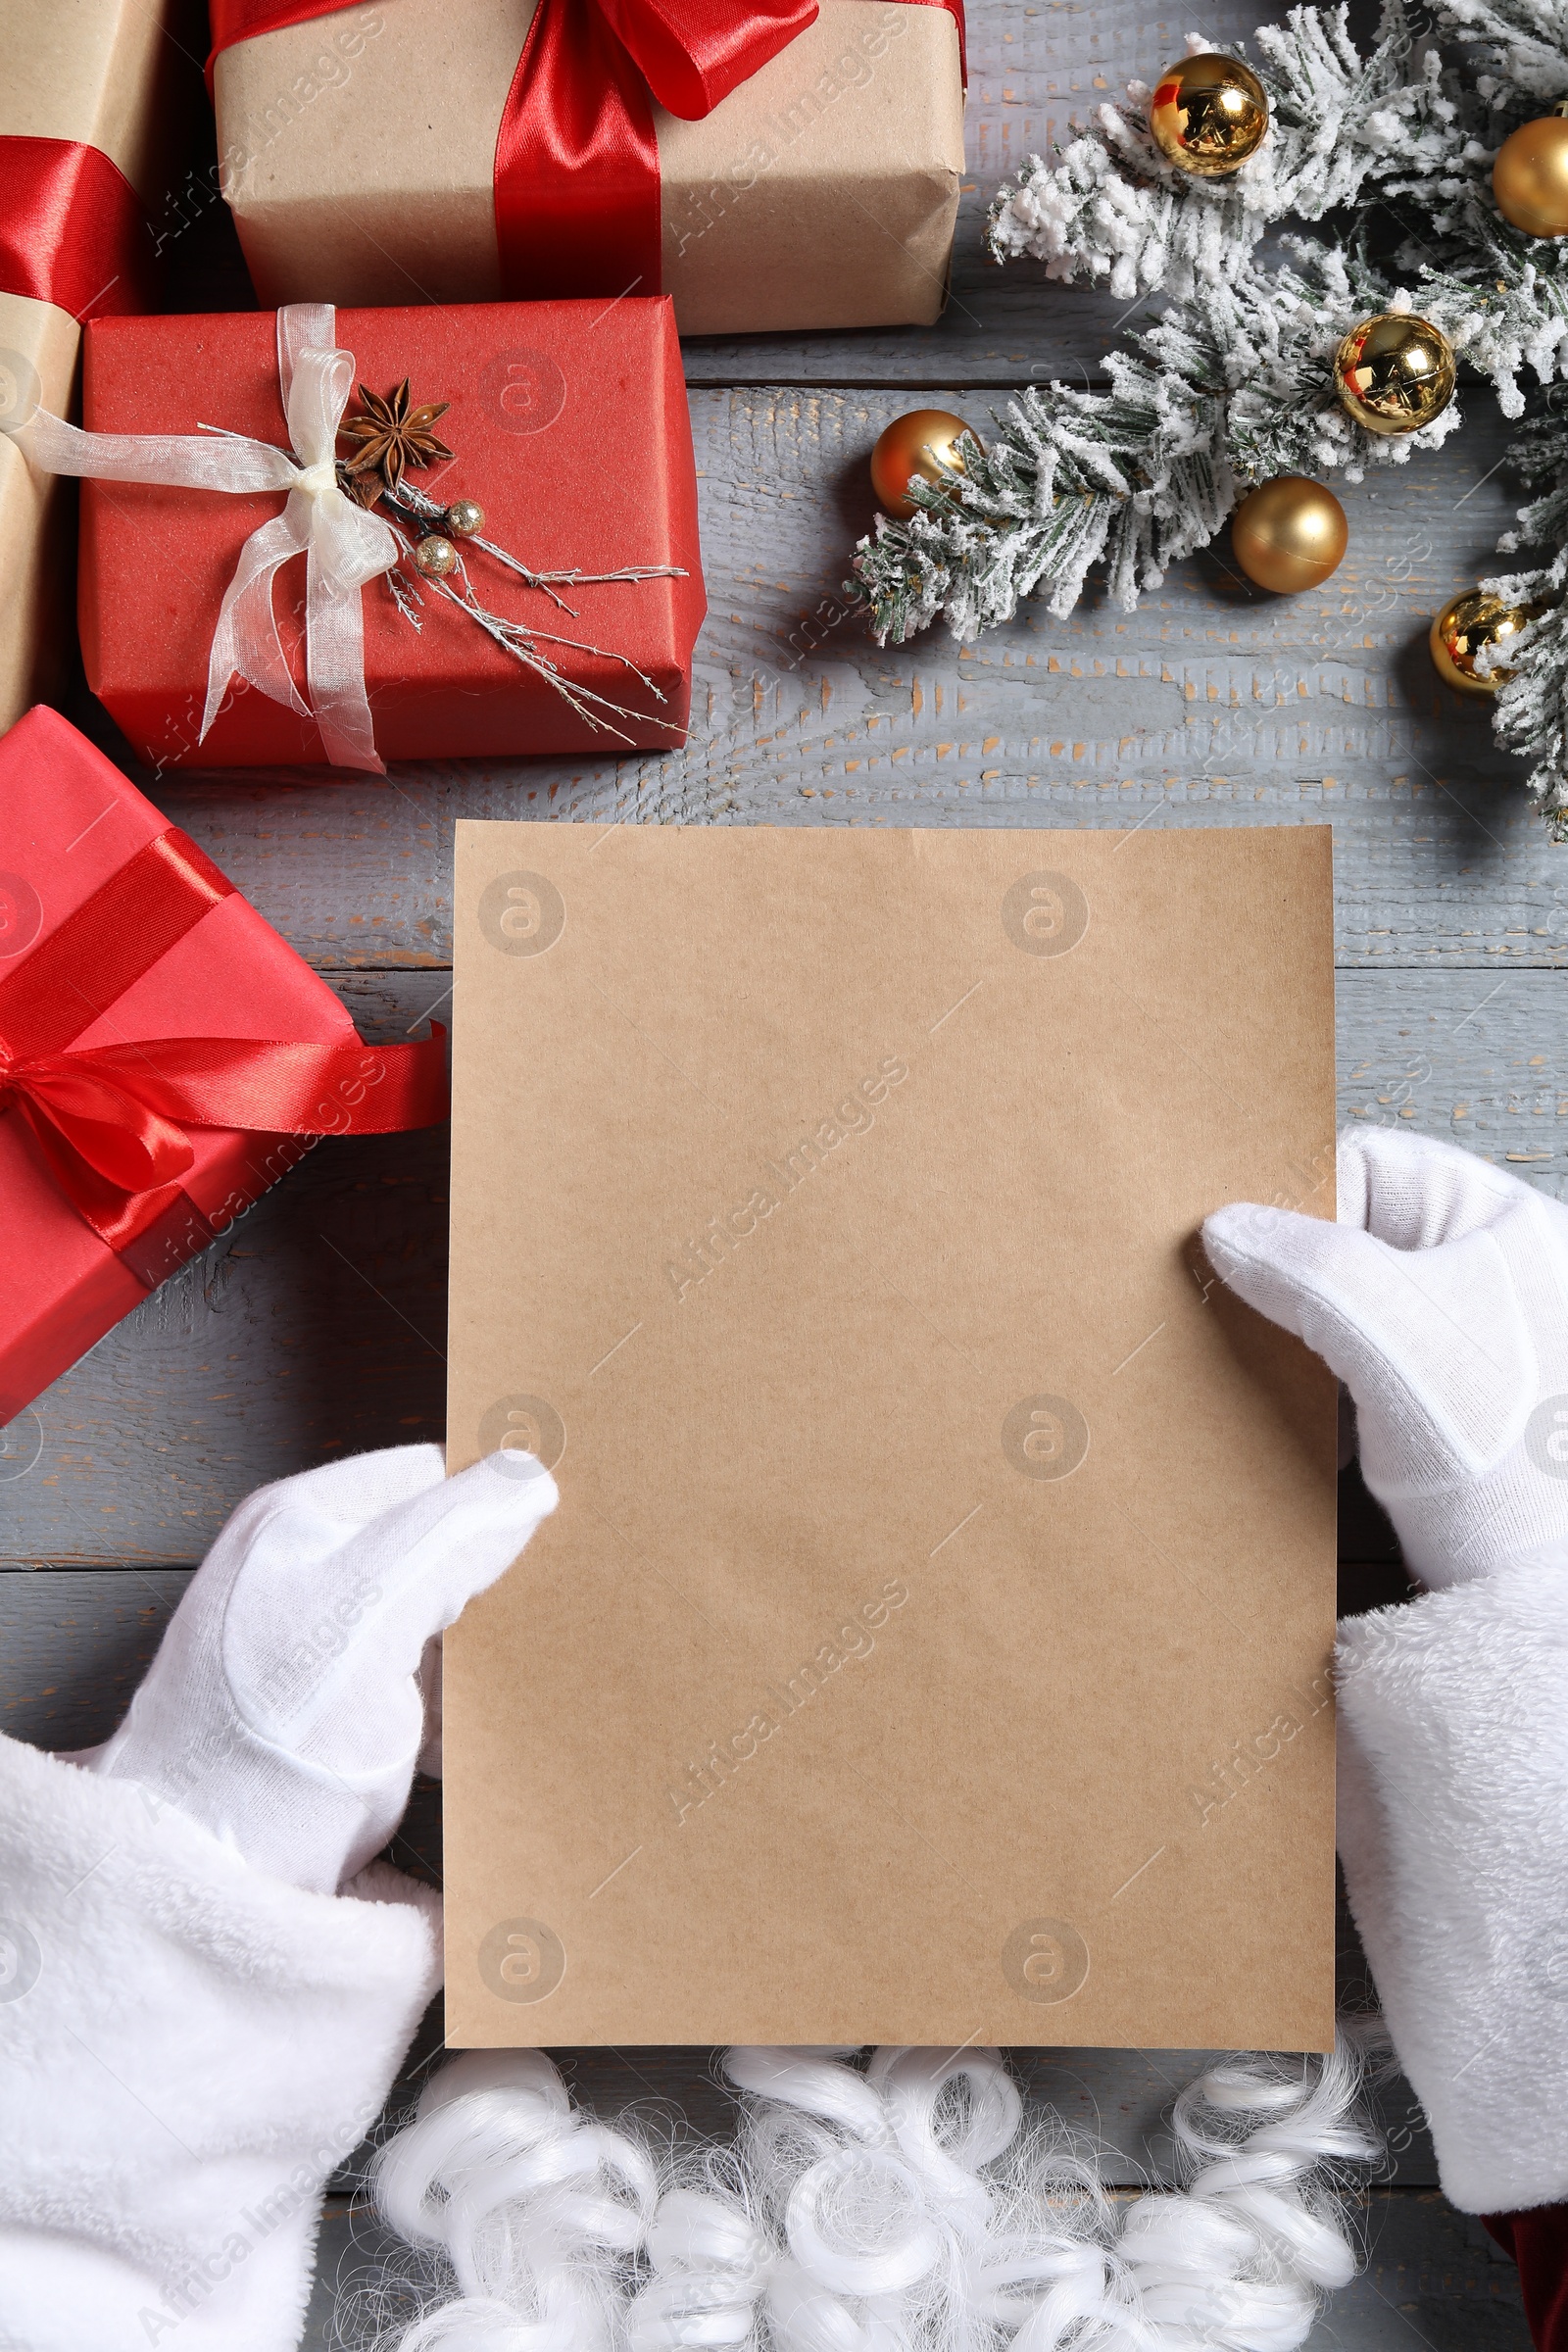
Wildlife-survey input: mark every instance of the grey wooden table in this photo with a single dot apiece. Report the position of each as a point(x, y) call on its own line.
point(317, 1325)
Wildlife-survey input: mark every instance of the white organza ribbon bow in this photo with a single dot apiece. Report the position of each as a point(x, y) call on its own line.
point(343, 544)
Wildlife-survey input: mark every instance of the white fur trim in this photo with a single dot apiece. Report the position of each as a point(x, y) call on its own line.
point(188, 2047)
point(1453, 1832)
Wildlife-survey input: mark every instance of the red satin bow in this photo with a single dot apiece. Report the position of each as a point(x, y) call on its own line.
point(577, 173)
point(87, 1100)
point(692, 54)
point(576, 180)
point(124, 1110)
point(111, 1120)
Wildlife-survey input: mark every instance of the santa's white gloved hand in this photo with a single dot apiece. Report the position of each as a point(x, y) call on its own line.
point(284, 1709)
point(1441, 1298)
point(196, 2027)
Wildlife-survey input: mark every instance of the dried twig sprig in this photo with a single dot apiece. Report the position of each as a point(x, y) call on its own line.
point(391, 436)
point(595, 710)
point(426, 513)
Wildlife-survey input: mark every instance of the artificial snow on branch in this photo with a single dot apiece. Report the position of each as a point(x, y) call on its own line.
point(1215, 396)
point(1113, 211)
point(1233, 383)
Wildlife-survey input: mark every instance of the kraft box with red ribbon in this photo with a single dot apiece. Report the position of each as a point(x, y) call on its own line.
point(769, 164)
point(496, 504)
point(93, 103)
point(163, 1055)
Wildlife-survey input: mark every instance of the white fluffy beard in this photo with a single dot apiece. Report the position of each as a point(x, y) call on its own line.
point(903, 2204)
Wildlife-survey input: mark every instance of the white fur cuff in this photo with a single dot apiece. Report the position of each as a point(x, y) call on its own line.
point(188, 2048)
point(1453, 1832)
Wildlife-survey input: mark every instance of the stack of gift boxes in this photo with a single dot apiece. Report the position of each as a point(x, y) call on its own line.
point(436, 499)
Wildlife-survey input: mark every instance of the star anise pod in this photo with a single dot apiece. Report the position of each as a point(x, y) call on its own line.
point(389, 436)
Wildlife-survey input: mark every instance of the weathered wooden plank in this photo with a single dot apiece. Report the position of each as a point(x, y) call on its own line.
point(74, 1645)
point(1433, 2278)
point(1214, 704)
point(317, 1325)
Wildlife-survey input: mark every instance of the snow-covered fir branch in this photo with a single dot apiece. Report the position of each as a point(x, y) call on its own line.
point(1111, 209)
point(1531, 707)
point(1526, 42)
point(1218, 394)
point(1233, 384)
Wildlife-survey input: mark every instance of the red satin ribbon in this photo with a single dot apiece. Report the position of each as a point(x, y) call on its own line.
point(111, 1120)
point(234, 21)
point(73, 230)
point(576, 173)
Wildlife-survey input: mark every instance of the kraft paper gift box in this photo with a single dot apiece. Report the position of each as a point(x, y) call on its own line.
point(931, 1644)
point(570, 428)
point(359, 154)
point(145, 946)
point(90, 96)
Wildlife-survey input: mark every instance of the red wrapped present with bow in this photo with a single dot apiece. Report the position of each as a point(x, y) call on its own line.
point(350, 536)
point(86, 108)
point(164, 1057)
point(769, 164)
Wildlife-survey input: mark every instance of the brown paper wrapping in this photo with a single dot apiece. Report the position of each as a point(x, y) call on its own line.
point(102, 72)
point(359, 153)
point(931, 1643)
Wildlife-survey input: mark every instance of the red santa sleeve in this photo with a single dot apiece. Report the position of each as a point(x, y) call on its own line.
point(1537, 2240)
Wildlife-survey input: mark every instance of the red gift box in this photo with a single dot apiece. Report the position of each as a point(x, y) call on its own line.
point(570, 428)
point(118, 939)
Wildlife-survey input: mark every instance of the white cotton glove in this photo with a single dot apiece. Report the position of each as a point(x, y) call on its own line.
point(284, 1710)
point(196, 2027)
point(1441, 1298)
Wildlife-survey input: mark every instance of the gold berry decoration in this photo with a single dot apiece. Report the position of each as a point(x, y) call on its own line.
point(388, 435)
point(435, 557)
point(1289, 534)
point(464, 517)
point(1530, 178)
point(1395, 372)
point(916, 446)
point(1463, 628)
point(1209, 115)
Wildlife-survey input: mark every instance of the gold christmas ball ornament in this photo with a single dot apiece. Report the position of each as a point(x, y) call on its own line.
point(915, 446)
point(1530, 178)
point(1463, 627)
point(435, 557)
point(1289, 534)
point(464, 517)
point(1395, 372)
point(1209, 114)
